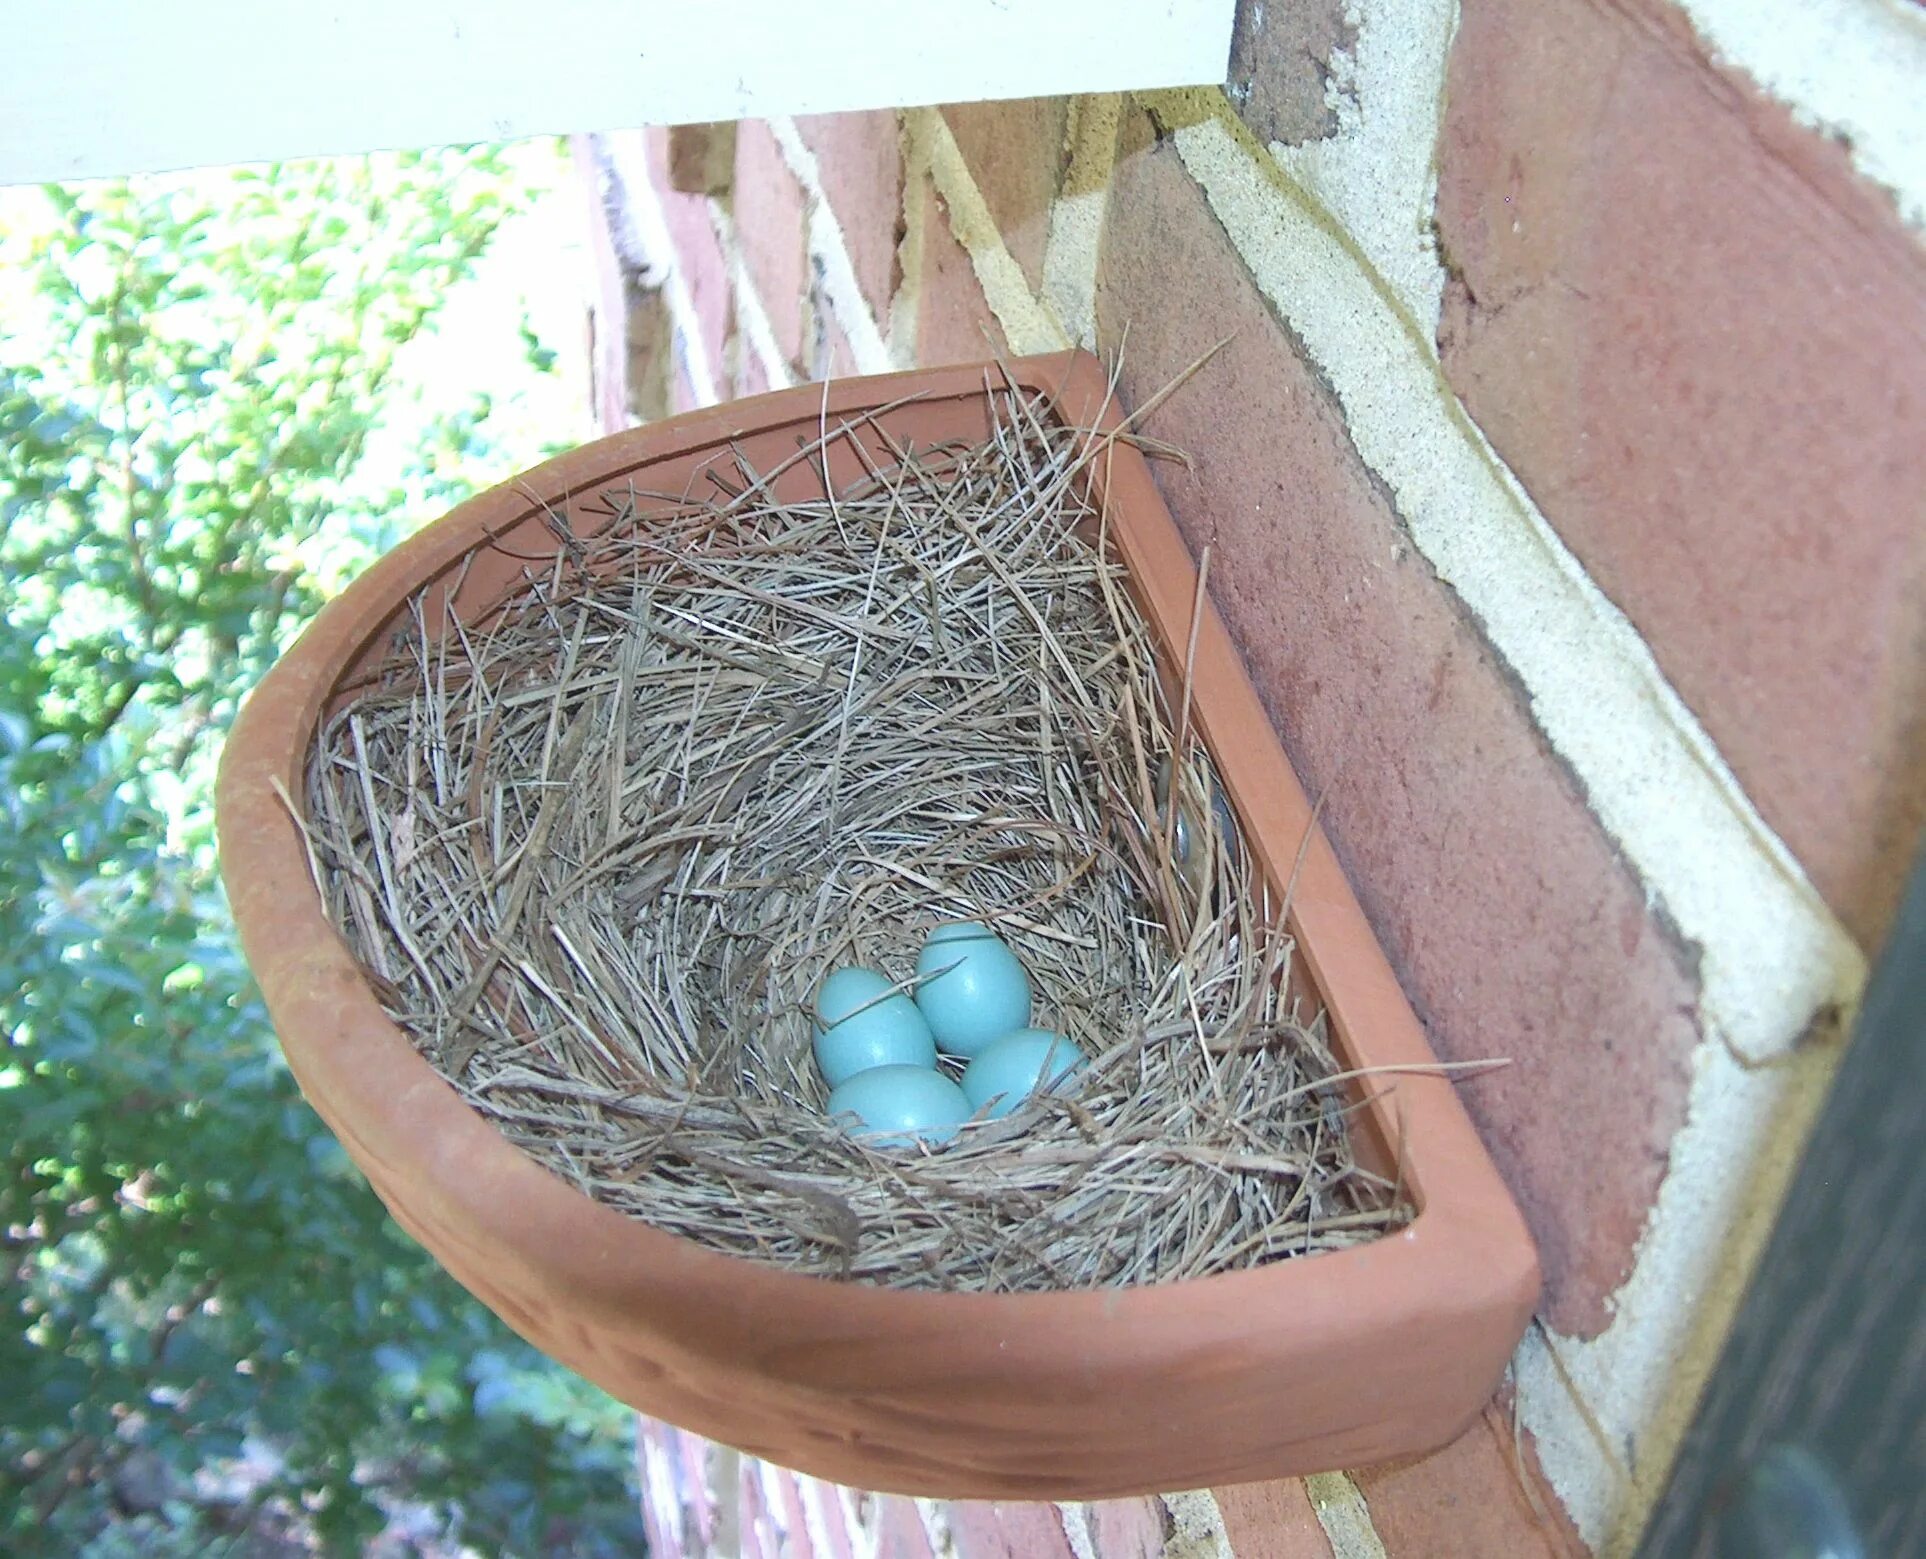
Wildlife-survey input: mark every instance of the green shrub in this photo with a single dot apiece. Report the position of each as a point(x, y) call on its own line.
point(210, 1326)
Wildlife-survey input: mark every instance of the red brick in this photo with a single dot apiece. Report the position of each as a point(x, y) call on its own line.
point(770, 212)
point(1015, 153)
point(1272, 1521)
point(899, 1530)
point(1128, 1528)
point(953, 315)
point(682, 392)
point(1515, 927)
point(1466, 1499)
point(838, 356)
point(859, 160)
point(751, 377)
point(986, 1530)
point(1700, 341)
point(1280, 66)
point(698, 256)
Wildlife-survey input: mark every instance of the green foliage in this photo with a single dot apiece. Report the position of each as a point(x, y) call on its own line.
point(196, 1283)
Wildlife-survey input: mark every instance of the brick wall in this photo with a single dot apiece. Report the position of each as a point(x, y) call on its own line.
point(1564, 474)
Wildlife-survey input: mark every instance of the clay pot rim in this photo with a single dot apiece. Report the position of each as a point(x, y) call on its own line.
point(1467, 1233)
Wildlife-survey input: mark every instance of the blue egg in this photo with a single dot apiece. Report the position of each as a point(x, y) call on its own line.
point(1010, 1069)
point(984, 996)
point(894, 1106)
point(855, 1031)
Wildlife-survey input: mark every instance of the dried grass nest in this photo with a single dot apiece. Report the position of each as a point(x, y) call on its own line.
point(597, 847)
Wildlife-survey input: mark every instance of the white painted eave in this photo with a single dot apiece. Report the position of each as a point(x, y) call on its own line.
point(92, 89)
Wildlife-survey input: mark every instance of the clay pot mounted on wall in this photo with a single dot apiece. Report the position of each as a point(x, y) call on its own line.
point(1332, 1360)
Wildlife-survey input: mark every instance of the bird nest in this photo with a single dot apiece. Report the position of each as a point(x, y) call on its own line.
point(597, 845)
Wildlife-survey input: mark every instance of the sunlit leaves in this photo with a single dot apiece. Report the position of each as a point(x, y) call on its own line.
point(192, 370)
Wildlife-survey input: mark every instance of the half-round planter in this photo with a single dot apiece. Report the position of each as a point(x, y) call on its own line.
point(1332, 1360)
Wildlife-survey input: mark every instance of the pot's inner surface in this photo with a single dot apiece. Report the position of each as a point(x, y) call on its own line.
point(608, 801)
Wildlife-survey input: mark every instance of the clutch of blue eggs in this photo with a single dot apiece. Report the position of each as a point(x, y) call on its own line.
point(878, 1044)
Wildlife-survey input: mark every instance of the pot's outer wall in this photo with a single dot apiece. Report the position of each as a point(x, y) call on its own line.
point(1335, 1360)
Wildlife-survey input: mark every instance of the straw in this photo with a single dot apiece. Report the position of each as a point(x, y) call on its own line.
point(598, 845)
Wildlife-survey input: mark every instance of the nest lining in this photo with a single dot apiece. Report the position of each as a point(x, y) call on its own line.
point(597, 847)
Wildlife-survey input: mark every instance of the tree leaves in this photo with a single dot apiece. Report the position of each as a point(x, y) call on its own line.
point(189, 1263)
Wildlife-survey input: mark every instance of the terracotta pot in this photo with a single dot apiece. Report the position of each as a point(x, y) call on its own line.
point(1333, 1360)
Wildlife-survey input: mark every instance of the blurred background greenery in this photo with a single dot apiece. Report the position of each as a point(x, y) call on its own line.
point(221, 394)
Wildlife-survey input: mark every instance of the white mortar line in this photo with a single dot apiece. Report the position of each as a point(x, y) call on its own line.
point(1345, 1517)
point(1028, 325)
point(1200, 1526)
point(722, 1466)
point(815, 1528)
point(1771, 953)
point(1075, 243)
point(1076, 1530)
point(830, 250)
point(1376, 173)
point(752, 318)
point(1855, 69)
point(652, 233)
point(905, 308)
point(660, 1486)
point(1730, 1167)
point(863, 1541)
point(936, 1527)
point(771, 1482)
